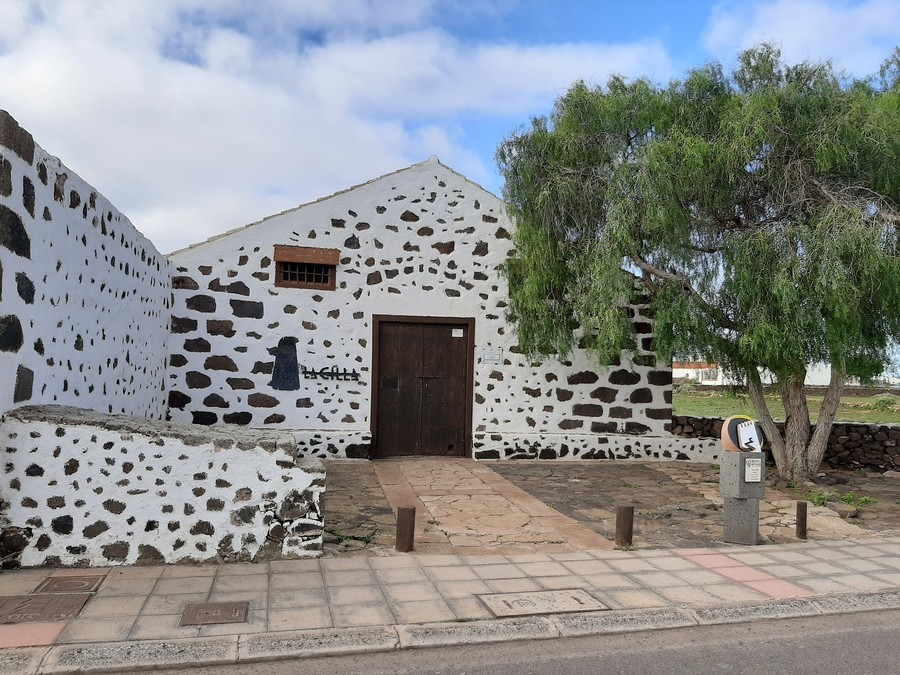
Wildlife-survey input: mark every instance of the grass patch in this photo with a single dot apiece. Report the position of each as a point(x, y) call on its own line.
point(861, 409)
point(821, 497)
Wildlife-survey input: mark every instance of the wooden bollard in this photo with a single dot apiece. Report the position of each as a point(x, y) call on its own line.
point(624, 525)
point(406, 528)
point(801, 520)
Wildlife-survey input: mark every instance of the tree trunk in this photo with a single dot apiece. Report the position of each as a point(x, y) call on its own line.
point(819, 441)
point(776, 442)
point(796, 428)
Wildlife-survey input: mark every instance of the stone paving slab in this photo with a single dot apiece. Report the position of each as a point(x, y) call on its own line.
point(477, 632)
point(21, 661)
point(139, 655)
point(600, 623)
point(780, 609)
point(318, 643)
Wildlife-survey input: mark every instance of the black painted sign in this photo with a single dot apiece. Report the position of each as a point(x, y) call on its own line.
point(327, 373)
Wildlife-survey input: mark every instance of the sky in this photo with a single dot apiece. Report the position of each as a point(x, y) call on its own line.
point(198, 116)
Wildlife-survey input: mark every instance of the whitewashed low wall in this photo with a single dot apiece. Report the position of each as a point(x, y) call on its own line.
point(83, 488)
point(590, 446)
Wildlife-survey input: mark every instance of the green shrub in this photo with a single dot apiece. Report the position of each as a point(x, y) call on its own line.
point(885, 402)
point(686, 388)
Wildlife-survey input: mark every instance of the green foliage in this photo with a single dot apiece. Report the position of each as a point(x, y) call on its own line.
point(885, 402)
point(756, 212)
point(820, 497)
point(858, 409)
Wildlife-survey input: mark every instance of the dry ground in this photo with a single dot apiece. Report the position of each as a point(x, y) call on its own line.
point(676, 504)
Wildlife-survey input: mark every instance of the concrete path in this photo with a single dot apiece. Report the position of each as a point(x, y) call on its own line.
point(328, 606)
point(462, 506)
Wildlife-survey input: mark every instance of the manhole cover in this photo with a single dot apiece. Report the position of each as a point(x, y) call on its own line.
point(23, 608)
point(214, 612)
point(540, 602)
point(64, 584)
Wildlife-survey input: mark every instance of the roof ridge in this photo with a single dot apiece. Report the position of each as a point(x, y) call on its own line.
point(433, 159)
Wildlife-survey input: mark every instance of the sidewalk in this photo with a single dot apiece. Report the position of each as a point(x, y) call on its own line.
point(342, 605)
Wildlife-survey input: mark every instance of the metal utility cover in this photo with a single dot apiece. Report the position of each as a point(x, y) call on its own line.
point(540, 602)
point(214, 612)
point(64, 584)
point(25, 608)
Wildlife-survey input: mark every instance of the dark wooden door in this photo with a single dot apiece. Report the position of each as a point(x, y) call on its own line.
point(423, 389)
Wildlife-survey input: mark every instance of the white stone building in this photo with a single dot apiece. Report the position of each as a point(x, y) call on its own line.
point(373, 323)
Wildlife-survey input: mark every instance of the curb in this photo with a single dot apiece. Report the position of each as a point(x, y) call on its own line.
point(138, 655)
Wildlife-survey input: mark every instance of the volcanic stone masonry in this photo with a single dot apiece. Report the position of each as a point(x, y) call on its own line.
point(850, 446)
point(90, 489)
point(423, 241)
point(84, 297)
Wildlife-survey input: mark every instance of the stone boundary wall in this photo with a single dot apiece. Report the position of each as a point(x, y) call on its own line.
point(850, 446)
point(87, 489)
point(84, 296)
point(590, 446)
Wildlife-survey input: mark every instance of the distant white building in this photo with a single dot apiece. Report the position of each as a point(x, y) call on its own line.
point(710, 374)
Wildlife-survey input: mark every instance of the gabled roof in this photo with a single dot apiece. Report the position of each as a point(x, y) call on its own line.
point(433, 160)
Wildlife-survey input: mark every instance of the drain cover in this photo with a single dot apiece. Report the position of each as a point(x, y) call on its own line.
point(214, 612)
point(63, 584)
point(23, 608)
point(540, 602)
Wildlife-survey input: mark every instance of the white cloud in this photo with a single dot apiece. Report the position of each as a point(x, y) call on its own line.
point(857, 36)
point(196, 117)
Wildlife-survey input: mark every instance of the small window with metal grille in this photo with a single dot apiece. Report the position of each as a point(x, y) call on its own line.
point(305, 267)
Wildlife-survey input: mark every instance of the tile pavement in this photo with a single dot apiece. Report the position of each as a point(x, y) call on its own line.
point(146, 603)
point(431, 596)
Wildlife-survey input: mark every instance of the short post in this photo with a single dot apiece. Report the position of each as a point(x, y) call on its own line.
point(742, 480)
point(801, 520)
point(624, 525)
point(406, 528)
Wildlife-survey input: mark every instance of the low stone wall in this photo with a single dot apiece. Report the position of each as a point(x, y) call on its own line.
point(82, 488)
point(851, 446)
point(593, 446)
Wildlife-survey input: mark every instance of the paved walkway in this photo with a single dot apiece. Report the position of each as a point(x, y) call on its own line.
point(307, 607)
point(463, 506)
point(478, 537)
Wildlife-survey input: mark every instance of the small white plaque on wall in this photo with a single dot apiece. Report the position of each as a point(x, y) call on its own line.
point(457, 332)
point(492, 356)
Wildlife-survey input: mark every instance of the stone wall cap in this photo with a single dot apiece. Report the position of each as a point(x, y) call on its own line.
point(190, 434)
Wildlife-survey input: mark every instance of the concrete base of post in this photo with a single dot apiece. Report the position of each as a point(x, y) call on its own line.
point(741, 521)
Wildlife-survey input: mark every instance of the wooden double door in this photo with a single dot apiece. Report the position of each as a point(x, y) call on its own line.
point(422, 386)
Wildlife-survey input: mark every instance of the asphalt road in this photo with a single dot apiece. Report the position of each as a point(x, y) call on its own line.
point(864, 643)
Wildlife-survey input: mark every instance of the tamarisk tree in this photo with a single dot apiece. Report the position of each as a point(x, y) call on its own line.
point(757, 210)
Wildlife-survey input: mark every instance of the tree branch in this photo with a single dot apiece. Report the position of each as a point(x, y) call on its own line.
point(754, 385)
point(827, 413)
point(686, 286)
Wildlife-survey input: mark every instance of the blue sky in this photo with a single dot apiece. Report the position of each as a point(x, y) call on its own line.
point(198, 116)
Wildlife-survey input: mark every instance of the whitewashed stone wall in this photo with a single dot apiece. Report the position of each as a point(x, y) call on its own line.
point(83, 488)
point(84, 297)
point(423, 241)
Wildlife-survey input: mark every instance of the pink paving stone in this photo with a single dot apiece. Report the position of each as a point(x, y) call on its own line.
point(35, 634)
point(777, 588)
point(712, 560)
point(743, 573)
